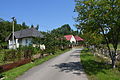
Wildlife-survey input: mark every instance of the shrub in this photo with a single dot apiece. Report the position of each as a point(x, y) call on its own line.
point(10, 55)
point(2, 56)
point(28, 51)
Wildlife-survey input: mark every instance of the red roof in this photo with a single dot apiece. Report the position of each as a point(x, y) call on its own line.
point(78, 38)
point(68, 37)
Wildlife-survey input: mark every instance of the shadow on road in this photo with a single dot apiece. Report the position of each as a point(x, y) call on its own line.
point(74, 67)
point(71, 67)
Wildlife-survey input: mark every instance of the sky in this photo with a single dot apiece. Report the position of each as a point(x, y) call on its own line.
point(49, 14)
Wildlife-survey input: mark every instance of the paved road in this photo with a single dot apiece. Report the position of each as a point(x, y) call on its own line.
point(64, 67)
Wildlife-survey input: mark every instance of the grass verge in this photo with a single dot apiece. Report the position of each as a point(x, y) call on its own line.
point(118, 47)
point(96, 68)
point(13, 73)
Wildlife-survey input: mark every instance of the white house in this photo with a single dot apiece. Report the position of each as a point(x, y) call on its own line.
point(23, 38)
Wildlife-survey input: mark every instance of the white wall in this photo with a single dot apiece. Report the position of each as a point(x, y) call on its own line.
point(26, 41)
point(72, 39)
point(10, 44)
point(23, 42)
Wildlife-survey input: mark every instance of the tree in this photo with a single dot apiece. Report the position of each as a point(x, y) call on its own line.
point(63, 30)
point(54, 40)
point(32, 26)
point(23, 24)
point(101, 16)
point(37, 27)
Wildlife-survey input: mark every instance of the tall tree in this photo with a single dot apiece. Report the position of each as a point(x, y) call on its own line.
point(23, 24)
point(37, 27)
point(32, 26)
point(101, 16)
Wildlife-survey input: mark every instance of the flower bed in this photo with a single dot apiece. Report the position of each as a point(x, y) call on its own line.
point(13, 65)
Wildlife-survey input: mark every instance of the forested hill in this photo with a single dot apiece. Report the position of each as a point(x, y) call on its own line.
point(6, 29)
point(64, 30)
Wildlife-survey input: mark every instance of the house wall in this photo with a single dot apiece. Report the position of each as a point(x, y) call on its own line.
point(26, 41)
point(18, 42)
point(72, 39)
point(23, 42)
point(42, 46)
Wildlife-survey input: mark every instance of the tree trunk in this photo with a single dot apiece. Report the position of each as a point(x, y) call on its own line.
point(113, 58)
point(113, 63)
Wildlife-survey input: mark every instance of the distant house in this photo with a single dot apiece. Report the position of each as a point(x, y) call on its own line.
point(23, 38)
point(73, 39)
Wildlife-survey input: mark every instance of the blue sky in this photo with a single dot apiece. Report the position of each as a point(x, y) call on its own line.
point(49, 14)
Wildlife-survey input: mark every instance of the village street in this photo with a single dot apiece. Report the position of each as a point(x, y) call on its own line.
point(64, 67)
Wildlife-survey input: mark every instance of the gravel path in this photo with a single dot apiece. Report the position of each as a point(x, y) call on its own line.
point(64, 67)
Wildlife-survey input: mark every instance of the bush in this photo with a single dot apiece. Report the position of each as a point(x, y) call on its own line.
point(10, 55)
point(50, 50)
point(2, 56)
point(13, 55)
point(28, 51)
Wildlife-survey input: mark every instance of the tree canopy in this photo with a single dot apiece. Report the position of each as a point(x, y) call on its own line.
point(100, 17)
point(63, 30)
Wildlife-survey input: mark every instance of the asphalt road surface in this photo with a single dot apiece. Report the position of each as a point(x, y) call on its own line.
point(64, 67)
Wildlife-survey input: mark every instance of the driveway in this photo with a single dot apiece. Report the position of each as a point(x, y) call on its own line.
point(64, 67)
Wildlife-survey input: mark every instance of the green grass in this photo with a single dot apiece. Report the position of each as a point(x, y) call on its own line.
point(97, 69)
point(1, 59)
point(13, 73)
point(118, 48)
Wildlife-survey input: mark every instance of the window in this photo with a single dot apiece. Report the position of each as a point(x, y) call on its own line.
point(26, 41)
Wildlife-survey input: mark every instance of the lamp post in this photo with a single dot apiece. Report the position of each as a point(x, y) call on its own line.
point(13, 18)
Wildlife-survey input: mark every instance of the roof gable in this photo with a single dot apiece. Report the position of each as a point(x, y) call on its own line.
point(77, 38)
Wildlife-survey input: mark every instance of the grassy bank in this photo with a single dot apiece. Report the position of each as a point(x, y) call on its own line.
point(97, 69)
point(13, 73)
point(118, 48)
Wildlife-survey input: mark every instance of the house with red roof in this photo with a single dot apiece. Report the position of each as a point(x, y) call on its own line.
point(73, 39)
point(70, 38)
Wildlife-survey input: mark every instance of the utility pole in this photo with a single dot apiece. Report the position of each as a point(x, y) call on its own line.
point(13, 18)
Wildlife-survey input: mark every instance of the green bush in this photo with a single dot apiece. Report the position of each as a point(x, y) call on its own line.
point(28, 51)
point(12, 55)
point(2, 56)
